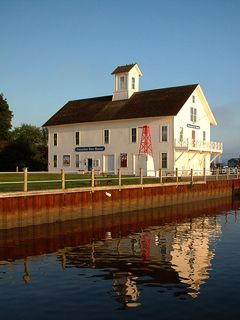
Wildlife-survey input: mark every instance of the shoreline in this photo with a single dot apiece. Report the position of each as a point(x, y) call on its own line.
point(38, 207)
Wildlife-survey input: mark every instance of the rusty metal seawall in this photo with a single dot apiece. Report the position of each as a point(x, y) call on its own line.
point(39, 207)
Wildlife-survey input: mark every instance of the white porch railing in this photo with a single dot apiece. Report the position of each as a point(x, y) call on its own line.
point(191, 144)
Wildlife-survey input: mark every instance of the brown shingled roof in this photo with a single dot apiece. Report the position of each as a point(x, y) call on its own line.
point(125, 68)
point(143, 104)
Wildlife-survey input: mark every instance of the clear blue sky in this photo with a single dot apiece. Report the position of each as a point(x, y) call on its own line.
point(53, 51)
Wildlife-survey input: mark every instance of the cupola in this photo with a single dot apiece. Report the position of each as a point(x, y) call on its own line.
point(126, 81)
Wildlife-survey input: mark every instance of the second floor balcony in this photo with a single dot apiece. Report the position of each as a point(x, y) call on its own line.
point(199, 145)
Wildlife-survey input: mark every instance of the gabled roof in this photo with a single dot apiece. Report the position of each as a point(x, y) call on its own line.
point(126, 68)
point(143, 104)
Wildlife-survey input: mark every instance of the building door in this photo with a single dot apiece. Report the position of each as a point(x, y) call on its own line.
point(140, 163)
point(109, 163)
point(193, 138)
point(89, 164)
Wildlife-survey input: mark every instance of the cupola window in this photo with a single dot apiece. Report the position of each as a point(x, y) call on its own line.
point(122, 83)
point(133, 83)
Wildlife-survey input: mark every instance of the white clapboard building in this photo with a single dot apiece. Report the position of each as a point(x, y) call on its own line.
point(105, 132)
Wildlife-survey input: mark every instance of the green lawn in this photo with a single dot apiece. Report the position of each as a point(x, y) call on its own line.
point(11, 182)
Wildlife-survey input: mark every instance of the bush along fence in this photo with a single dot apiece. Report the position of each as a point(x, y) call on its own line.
point(27, 181)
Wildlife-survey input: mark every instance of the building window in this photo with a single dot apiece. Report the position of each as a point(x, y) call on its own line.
point(55, 161)
point(123, 160)
point(164, 160)
point(133, 83)
point(77, 138)
point(164, 133)
point(122, 82)
point(193, 99)
point(106, 136)
point(181, 134)
point(55, 139)
point(193, 138)
point(77, 162)
point(204, 136)
point(66, 160)
point(134, 135)
point(193, 114)
point(96, 163)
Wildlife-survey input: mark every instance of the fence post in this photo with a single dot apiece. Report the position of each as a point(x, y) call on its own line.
point(160, 175)
point(177, 175)
point(217, 173)
point(92, 173)
point(119, 177)
point(237, 173)
point(25, 178)
point(191, 176)
point(63, 178)
point(141, 176)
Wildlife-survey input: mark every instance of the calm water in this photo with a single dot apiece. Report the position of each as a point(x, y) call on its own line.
point(176, 262)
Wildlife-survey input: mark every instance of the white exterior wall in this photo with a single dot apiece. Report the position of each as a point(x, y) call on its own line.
point(196, 159)
point(92, 134)
point(183, 118)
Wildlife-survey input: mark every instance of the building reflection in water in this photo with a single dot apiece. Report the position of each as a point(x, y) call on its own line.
point(125, 287)
point(26, 274)
point(191, 253)
point(171, 254)
point(166, 247)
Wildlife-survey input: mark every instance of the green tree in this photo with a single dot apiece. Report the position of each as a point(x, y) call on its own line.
point(27, 148)
point(35, 136)
point(16, 154)
point(5, 119)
